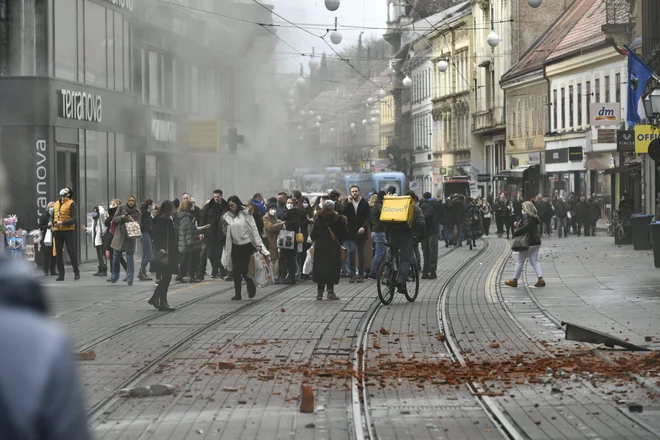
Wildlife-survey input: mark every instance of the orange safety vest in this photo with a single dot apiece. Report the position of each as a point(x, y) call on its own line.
point(62, 213)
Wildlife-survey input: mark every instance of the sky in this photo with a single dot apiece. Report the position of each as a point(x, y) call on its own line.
point(362, 13)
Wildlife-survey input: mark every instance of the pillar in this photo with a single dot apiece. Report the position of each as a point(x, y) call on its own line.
point(22, 50)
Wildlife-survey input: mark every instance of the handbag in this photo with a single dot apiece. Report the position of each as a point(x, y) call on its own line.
point(342, 250)
point(48, 238)
point(133, 230)
point(286, 239)
point(520, 244)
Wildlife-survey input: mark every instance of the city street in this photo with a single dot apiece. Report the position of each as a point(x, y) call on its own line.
point(471, 358)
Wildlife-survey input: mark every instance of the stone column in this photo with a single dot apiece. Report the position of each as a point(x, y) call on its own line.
point(22, 54)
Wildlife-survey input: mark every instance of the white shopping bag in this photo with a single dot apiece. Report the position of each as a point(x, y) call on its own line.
point(263, 270)
point(308, 267)
point(48, 238)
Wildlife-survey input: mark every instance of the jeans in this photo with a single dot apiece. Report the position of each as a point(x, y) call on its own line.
point(561, 226)
point(430, 251)
point(459, 229)
point(448, 232)
point(100, 255)
point(533, 255)
point(130, 265)
point(379, 239)
point(147, 251)
point(353, 247)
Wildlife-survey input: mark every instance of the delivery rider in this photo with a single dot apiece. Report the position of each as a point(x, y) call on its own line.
point(401, 237)
point(65, 213)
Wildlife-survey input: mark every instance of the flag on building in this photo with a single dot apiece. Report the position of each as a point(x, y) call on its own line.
point(638, 75)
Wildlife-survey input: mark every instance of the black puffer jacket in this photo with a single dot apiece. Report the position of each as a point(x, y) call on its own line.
point(530, 224)
point(188, 235)
point(146, 222)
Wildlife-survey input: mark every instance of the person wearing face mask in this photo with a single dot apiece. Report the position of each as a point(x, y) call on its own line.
point(45, 224)
point(109, 234)
point(281, 205)
point(357, 212)
point(65, 218)
point(243, 240)
point(288, 262)
point(257, 209)
point(273, 226)
point(146, 222)
point(306, 216)
point(96, 230)
point(121, 242)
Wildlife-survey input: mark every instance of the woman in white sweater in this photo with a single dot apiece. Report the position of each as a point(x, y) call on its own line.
point(243, 239)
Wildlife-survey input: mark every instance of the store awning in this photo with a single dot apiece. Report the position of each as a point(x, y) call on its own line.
point(623, 169)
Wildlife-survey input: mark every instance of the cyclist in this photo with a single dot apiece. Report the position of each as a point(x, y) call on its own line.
point(402, 239)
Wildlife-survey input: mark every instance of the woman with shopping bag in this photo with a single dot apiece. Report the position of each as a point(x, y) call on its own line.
point(328, 233)
point(527, 242)
point(46, 245)
point(127, 233)
point(243, 239)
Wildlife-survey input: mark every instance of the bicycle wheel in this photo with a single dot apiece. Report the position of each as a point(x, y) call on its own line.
point(384, 283)
point(412, 284)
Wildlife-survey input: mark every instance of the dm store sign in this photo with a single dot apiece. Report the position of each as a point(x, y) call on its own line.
point(605, 113)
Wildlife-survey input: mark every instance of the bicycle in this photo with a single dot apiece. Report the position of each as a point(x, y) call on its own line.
point(387, 276)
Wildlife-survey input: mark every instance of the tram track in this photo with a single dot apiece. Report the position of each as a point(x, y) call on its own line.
point(96, 410)
point(363, 427)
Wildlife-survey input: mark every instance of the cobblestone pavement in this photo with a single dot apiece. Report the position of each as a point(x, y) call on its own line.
point(238, 367)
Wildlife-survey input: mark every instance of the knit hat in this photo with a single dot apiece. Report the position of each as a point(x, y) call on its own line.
point(271, 206)
point(176, 203)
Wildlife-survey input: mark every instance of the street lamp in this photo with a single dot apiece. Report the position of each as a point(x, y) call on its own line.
point(652, 104)
point(300, 81)
point(493, 39)
point(382, 93)
point(443, 66)
point(535, 3)
point(365, 122)
point(318, 118)
point(336, 37)
point(332, 5)
point(407, 82)
point(313, 63)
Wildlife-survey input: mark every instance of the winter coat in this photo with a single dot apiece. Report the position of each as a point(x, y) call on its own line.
point(547, 211)
point(212, 215)
point(562, 209)
point(146, 221)
point(582, 212)
point(448, 219)
point(458, 202)
point(486, 211)
point(517, 209)
point(376, 224)
point(430, 217)
point(594, 211)
point(188, 234)
point(247, 221)
point(121, 241)
point(530, 225)
point(273, 226)
point(97, 229)
point(327, 251)
point(41, 396)
point(357, 220)
point(164, 236)
point(472, 228)
point(43, 221)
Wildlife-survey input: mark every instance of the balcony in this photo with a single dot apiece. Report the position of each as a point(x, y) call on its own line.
point(487, 121)
point(620, 23)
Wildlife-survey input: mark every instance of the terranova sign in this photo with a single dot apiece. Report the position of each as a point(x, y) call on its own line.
point(605, 113)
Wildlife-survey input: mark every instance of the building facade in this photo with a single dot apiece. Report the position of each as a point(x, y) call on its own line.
point(119, 98)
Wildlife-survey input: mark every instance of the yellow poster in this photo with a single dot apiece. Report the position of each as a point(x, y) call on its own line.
point(644, 135)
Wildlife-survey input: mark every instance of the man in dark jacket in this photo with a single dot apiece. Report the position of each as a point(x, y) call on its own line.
point(594, 214)
point(561, 211)
point(448, 221)
point(458, 202)
point(430, 241)
point(377, 235)
point(357, 213)
point(215, 236)
point(146, 223)
point(40, 396)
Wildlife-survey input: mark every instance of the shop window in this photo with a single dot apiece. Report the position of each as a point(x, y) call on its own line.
point(96, 65)
point(128, 59)
point(519, 119)
point(526, 121)
point(66, 41)
point(541, 113)
point(597, 89)
point(533, 101)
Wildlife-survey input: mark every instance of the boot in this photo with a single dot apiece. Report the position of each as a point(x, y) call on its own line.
point(251, 288)
point(103, 272)
point(319, 295)
point(540, 283)
point(511, 283)
point(97, 273)
point(432, 276)
point(332, 296)
point(142, 276)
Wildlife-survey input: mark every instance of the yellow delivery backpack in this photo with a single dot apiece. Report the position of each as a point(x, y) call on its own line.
point(398, 210)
